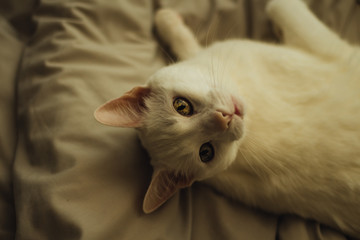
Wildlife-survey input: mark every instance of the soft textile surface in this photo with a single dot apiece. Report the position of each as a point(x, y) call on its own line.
point(72, 178)
point(10, 52)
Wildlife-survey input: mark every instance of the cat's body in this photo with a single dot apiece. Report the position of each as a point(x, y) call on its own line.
point(301, 148)
point(280, 125)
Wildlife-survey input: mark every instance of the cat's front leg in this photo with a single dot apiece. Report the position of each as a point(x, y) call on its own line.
point(300, 28)
point(176, 34)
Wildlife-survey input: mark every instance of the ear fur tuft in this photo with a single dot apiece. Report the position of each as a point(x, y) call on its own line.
point(164, 184)
point(125, 111)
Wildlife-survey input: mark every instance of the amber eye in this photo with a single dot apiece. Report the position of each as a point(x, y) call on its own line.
point(183, 106)
point(206, 152)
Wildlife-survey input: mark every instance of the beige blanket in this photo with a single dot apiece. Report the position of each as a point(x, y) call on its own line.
point(63, 175)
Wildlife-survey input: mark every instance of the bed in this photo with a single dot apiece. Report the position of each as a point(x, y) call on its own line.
point(65, 176)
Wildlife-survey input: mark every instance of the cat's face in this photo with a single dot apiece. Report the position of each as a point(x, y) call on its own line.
point(192, 123)
point(189, 120)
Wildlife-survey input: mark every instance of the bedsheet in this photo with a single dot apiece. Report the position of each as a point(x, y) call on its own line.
point(65, 176)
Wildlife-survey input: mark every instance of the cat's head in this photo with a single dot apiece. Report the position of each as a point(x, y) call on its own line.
point(189, 120)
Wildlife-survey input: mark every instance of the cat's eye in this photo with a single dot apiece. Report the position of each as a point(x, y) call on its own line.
point(206, 152)
point(183, 106)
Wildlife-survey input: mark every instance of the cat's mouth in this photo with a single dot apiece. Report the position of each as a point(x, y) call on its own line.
point(230, 122)
point(235, 129)
point(235, 123)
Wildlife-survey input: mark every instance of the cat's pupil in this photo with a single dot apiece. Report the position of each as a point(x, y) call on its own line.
point(206, 152)
point(181, 107)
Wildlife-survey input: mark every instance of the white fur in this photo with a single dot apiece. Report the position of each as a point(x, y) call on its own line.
point(173, 140)
point(301, 150)
point(297, 149)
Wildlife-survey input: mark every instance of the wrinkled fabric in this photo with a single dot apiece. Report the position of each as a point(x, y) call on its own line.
point(65, 176)
point(10, 54)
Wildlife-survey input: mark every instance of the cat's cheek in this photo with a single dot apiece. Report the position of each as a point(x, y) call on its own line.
point(236, 129)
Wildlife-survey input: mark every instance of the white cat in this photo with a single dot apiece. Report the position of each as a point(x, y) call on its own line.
point(274, 126)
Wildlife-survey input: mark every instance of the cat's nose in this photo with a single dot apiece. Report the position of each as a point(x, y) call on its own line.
point(223, 120)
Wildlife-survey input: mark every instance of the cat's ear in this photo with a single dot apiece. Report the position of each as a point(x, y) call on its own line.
point(164, 184)
point(125, 111)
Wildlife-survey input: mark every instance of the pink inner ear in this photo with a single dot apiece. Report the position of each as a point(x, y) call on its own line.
point(164, 185)
point(125, 111)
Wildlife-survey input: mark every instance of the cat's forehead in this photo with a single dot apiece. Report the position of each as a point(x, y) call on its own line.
point(182, 78)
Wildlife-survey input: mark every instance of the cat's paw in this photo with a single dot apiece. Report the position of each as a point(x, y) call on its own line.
point(174, 33)
point(167, 17)
point(284, 5)
point(167, 23)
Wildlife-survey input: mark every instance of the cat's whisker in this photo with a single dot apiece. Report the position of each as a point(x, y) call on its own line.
point(296, 147)
point(225, 62)
point(257, 161)
point(216, 77)
point(210, 31)
point(212, 72)
point(250, 164)
point(253, 147)
point(219, 67)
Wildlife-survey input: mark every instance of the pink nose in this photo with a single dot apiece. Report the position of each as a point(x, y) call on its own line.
point(222, 120)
